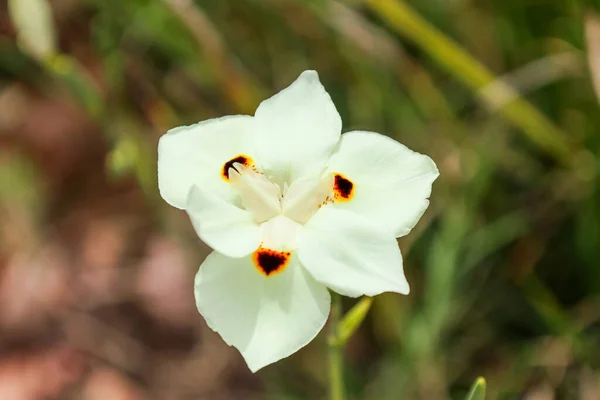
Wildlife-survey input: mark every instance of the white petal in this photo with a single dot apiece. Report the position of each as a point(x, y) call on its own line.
point(296, 130)
point(195, 155)
point(221, 225)
point(392, 183)
point(265, 318)
point(351, 255)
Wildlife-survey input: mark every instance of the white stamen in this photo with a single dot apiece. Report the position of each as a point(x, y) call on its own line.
point(302, 199)
point(258, 194)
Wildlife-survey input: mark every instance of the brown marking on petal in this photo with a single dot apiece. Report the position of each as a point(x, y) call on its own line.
point(328, 200)
point(343, 188)
point(242, 159)
point(270, 262)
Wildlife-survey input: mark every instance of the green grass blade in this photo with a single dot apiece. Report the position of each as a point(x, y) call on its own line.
point(450, 55)
point(477, 391)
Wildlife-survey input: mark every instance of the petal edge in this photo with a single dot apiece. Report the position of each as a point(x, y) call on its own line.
point(297, 129)
point(195, 154)
point(351, 255)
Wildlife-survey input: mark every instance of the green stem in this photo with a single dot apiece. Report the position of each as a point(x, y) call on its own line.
point(336, 362)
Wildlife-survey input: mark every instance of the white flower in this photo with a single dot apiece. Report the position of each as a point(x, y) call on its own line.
point(291, 207)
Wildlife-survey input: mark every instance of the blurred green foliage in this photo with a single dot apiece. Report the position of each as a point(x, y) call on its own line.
point(504, 266)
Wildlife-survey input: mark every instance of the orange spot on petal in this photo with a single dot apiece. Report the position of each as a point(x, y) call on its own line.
point(343, 188)
point(242, 159)
point(270, 262)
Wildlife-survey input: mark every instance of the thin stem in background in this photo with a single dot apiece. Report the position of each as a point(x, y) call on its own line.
point(449, 54)
point(335, 354)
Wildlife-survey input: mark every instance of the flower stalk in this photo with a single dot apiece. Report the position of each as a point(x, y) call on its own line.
point(342, 329)
point(335, 349)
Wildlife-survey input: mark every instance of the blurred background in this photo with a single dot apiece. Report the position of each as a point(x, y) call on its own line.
point(96, 271)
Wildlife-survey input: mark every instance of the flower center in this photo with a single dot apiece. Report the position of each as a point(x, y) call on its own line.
point(281, 211)
point(265, 199)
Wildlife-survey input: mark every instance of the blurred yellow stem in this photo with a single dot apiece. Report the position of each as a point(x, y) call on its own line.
point(475, 75)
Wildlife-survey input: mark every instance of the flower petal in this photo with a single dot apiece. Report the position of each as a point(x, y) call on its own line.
point(266, 318)
point(391, 183)
point(351, 254)
point(221, 225)
point(196, 154)
point(296, 130)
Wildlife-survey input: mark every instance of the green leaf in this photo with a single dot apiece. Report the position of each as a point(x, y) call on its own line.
point(34, 23)
point(352, 320)
point(77, 80)
point(592, 34)
point(477, 391)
